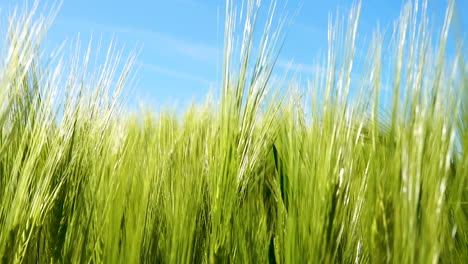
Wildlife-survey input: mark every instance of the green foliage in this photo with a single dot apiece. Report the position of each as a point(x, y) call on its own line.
point(252, 179)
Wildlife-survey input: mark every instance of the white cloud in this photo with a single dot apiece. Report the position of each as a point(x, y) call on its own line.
point(296, 67)
point(199, 51)
point(177, 74)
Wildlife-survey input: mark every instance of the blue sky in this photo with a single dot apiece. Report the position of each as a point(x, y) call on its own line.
point(181, 40)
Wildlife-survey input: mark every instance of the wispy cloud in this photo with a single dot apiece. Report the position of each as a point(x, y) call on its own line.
point(297, 67)
point(198, 51)
point(191, 2)
point(177, 74)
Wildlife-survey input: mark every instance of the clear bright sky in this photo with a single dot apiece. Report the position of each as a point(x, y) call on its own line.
point(182, 39)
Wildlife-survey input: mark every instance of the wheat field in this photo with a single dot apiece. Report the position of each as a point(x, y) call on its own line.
point(348, 169)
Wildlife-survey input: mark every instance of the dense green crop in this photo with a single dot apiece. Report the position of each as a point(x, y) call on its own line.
point(251, 178)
